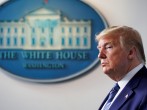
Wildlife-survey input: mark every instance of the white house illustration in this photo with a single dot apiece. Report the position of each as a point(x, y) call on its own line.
point(45, 29)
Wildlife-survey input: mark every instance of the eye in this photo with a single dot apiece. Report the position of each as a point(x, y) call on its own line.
point(108, 47)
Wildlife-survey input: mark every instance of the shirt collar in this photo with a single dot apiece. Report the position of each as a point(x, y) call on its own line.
point(122, 83)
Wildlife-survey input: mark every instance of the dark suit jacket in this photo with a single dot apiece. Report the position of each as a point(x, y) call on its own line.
point(134, 95)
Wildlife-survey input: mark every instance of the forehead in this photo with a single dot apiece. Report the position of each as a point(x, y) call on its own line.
point(108, 39)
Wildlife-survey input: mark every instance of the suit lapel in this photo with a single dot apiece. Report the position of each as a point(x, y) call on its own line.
point(127, 91)
point(124, 96)
point(103, 102)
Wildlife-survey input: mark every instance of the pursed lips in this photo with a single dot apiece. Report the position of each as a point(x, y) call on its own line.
point(104, 64)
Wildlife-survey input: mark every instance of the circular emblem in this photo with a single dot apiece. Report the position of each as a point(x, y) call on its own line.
point(48, 40)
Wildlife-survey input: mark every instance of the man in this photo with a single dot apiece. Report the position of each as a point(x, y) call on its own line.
point(122, 58)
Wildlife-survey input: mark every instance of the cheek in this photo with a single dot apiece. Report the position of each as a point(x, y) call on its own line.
point(119, 59)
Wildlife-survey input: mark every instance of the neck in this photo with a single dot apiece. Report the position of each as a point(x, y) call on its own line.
point(118, 76)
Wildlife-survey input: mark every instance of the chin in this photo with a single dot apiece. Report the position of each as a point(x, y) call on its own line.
point(106, 71)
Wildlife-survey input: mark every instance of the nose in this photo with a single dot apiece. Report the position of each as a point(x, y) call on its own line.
point(101, 55)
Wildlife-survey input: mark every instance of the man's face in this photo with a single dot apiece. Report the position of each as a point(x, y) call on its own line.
point(114, 58)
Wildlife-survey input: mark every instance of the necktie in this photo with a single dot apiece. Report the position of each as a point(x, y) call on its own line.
point(111, 96)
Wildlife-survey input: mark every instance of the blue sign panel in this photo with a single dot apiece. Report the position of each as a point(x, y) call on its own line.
point(48, 40)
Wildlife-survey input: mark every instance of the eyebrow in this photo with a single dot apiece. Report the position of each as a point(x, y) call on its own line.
point(105, 44)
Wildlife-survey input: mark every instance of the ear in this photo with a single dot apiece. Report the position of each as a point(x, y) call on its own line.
point(132, 53)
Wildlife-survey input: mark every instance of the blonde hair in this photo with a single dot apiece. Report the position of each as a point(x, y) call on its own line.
point(128, 37)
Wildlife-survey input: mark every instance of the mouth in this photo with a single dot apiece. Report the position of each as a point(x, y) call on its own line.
point(104, 64)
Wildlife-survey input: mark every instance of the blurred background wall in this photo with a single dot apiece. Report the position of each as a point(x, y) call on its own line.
point(84, 93)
